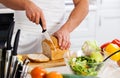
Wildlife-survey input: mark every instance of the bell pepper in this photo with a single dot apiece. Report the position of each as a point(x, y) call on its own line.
point(104, 45)
point(116, 41)
point(111, 48)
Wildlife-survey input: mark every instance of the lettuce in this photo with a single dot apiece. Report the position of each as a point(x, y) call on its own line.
point(83, 65)
point(90, 46)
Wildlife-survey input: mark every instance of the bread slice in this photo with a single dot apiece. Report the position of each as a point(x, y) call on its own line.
point(37, 57)
point(52, 50)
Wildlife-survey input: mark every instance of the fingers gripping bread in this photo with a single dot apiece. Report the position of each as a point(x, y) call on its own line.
point(53, 52)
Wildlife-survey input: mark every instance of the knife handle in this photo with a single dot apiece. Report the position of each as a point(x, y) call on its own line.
point(19, 70)
point(16, 42)
point(9, 35)
point(3, 62)
point(44, 30)
point(41, 24)
point(7, 62)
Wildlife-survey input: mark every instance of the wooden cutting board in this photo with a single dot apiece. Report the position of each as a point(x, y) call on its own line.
point(51, 63)
point(48, 64)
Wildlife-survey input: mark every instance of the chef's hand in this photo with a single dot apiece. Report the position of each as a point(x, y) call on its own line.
point(34, 13)
point(63, 38)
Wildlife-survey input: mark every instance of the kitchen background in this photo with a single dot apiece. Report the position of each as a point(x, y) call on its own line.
point(101, 24)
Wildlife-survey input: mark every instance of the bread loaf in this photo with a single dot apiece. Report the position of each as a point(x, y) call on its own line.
point(52, 50)
point(37, 57)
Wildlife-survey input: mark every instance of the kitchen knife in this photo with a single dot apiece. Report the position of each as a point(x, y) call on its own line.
point(8, 49)
point(14, 53)
point(15, 68)
point(46, 34)
point(24, 69)
point(1, 63)
point(19, 70)
point(9, 37)
point(15, 47)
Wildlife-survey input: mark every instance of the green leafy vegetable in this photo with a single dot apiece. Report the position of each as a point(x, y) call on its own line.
point(90, 46)
point(76, 76)
point(84, 65)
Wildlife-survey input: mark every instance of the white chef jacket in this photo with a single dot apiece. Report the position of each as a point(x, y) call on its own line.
point(31, 36)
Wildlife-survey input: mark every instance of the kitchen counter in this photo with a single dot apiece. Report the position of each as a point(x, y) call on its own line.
point(109, 70)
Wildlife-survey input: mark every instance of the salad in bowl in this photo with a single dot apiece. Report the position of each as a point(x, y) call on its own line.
point(84, 65)
point(87, 64)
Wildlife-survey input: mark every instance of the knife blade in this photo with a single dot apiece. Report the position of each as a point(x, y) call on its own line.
point(8, 49)
point(14, 53)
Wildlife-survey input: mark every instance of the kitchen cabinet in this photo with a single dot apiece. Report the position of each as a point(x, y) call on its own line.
point(108, 20)
point(86, 30)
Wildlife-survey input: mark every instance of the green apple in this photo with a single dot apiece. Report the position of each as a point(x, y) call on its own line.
point(97, 56)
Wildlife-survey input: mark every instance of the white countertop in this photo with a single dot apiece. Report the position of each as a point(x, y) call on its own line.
point(109, 70)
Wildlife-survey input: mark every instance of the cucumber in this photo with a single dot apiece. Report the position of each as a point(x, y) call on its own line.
point(77, 76)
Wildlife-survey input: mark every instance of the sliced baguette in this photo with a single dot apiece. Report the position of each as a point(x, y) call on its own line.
point(37, 57)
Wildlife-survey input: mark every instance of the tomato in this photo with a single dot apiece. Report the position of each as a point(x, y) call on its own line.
point(116, 41)
point(38, 72)
point(104, 45)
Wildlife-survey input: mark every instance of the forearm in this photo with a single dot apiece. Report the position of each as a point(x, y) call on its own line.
point(77, 15)
point(15, 4)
